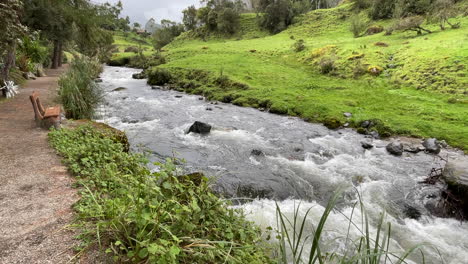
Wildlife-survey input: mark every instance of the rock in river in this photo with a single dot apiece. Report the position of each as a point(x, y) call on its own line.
point(395, 148)
point(431, 145)
point(366, 145)
point(456, 173)
point(200, 128)
point(257, 152)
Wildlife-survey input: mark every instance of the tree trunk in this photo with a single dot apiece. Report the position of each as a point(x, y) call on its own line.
point(55, 55)
point(60, 54)
point(9, 63)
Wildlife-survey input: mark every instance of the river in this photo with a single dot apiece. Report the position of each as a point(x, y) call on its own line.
point(298, 163)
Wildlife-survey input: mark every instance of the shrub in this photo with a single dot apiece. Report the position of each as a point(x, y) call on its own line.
point(374, 30)
point(299, 45)
point(79, 94)
point(159, 76)
point(361, 4)
point(327, 65)
point(358, 25)
point(144, 217)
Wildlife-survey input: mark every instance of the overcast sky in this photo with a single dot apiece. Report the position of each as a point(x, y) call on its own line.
point(142, 10)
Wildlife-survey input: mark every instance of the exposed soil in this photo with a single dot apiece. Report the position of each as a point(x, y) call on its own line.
point(35, 188)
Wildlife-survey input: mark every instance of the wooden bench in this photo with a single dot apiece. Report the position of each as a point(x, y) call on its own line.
point(45, 117)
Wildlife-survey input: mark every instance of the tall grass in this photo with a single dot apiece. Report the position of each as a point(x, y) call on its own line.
point(78, 93)
point(297, 247)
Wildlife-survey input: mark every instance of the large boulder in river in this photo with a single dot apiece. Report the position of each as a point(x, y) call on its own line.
point(200, 128)
point(456, 173)
point(395, 148)
point(431, 145)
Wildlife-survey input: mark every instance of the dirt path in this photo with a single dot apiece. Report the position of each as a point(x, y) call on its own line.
point(35, 188)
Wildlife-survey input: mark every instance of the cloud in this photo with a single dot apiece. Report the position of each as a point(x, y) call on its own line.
point(142, 10)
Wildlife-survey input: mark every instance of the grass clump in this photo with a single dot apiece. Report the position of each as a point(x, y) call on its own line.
point(78, 92)
point(138, 216)
point(296, 245)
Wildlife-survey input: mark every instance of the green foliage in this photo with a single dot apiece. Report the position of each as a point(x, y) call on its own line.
point(33, 49)
point(277, 15)
point(12, 29)
point(159, 76)
point(382, 9)
point(218, 16)
point(358, 26)
point(299, 45)
point(228, 21)
point(138, 216)
point(190, 18)
point(169, 30)
point(79, 94)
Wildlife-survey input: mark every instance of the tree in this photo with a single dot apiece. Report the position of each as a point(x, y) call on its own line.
point(441, 11)
point(277, 15)
point(190, 18)
point(412, 23)
point(12, 29)
point(136, 25)
point(169, 31)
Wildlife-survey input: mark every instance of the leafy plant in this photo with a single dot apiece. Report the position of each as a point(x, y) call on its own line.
point(138, 216)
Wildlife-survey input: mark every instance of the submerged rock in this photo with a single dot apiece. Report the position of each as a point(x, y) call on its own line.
point(178, 96)
point(98, 80)
point(366, 124)
point(200, 128)
point(366, 145)
point(374, 134)
point(431, 145)
point(395, 148)
point(412, 212)
point(413, 149)
point(119, 89)
point(257, 152)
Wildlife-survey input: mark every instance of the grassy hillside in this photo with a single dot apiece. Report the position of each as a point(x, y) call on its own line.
point(421, 92)
point(122, 41)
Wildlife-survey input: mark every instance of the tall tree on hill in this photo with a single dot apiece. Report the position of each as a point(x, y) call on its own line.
point(12, 29)
point(168, 31)
point(190, 18)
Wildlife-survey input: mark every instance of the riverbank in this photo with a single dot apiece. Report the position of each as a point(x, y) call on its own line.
point(251, 154)
point(36, 191)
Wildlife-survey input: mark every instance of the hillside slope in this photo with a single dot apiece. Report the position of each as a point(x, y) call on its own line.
point(422, 90)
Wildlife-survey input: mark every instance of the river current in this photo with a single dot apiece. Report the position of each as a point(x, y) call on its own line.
point(294, 163)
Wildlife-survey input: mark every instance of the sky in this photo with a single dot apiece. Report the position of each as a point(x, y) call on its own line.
point(142, 10)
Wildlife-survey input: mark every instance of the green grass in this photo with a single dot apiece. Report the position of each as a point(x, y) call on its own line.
point(411, 99)
point(129, 39)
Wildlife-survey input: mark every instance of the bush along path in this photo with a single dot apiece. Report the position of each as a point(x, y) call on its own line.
point(138, 216)
point(35, 189)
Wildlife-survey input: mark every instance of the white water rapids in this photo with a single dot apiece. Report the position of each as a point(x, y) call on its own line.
point(303, 163)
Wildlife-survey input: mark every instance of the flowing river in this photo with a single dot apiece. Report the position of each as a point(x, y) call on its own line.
point(295, 162)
